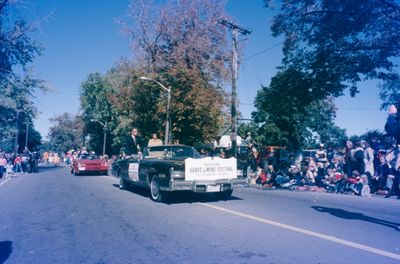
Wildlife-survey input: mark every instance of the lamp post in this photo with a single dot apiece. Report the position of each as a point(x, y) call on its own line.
point(26, 134)
point(105, 133)
point(17, 132)
point(167, 124)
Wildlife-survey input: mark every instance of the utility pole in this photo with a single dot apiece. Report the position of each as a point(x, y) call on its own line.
point(235, 30)
point(26, 134)
point(16, 132)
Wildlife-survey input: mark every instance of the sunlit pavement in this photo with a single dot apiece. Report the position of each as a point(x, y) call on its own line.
point(55, 217)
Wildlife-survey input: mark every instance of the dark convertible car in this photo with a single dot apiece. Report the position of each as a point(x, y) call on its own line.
point(168, 168)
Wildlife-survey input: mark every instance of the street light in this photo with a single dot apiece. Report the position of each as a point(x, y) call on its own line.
point(167, 124)
point(105, 134)
point(27, 133)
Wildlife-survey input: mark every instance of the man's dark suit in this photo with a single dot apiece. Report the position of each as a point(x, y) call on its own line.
point(131, 146)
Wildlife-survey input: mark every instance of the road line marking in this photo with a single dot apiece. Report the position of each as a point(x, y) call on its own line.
point(5, 181)
point(308, 232)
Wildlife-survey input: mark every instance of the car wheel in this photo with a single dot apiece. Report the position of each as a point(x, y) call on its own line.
point(76, 173)
point(225, 195)
point(156, 194)
point(122, 184)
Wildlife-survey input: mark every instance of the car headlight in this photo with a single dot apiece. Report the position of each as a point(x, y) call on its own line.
point(177, 174)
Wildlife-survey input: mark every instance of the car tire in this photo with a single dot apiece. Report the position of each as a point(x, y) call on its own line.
point(76, 173)
point(122, 184)
point(156, 194)
point(225, 195)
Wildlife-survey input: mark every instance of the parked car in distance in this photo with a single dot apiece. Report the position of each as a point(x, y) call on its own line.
point(171, 168)
point(89, 164)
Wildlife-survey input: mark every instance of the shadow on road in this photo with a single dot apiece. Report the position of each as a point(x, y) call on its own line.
point(355, 216)
point(182, 196)
point(48, 168)
point(5, 250)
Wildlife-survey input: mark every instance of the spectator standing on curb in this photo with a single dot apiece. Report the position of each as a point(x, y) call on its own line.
point(3, 163)
point(392, 127)
point(368, 161)
point(8, 169)
point(255, 162)
point(17, 164)
point(348, 158)
point(358, 158)
point(321, 154)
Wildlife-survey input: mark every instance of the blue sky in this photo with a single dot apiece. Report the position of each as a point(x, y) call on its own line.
point(81, 37)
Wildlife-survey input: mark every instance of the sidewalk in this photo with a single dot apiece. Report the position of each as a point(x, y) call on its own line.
point(259, 187)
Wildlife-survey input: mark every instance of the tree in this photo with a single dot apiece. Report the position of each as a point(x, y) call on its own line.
point(66, 133)
point(289, 116)
point(95, 93)
point(251, 127)
point(339, 43)
point(373, 135)
point(183, 46)
point(17, 83)
point(390, 93)
point(321, 122)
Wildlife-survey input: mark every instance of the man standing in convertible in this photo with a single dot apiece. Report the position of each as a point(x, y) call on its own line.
point(133, 143)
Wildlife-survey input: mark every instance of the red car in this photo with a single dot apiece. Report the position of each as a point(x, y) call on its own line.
point(89, 164)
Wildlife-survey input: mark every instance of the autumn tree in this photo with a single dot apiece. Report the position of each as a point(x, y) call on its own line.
point(182, 45)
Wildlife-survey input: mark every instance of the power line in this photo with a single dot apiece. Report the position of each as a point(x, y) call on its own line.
point(262, 51)
point(357, 108)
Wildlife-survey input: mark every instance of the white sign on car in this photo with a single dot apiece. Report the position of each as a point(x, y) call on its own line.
point(133, 171)
point(210, 169)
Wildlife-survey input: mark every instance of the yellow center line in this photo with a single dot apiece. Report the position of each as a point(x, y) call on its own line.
point(308, 232)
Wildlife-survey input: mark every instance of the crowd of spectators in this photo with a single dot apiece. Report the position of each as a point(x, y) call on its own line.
point(12, 163)
point(358, 168)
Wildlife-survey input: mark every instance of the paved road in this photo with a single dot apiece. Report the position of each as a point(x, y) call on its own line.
point(54, 217)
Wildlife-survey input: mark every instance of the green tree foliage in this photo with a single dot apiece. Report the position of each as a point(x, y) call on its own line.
point(373, 135)
point(390, 93)
point(34, 138)
point(66, 133)
point(17, 83)
point(97, 109)
point(251, 127)
point(289, 116)
point(339, 43)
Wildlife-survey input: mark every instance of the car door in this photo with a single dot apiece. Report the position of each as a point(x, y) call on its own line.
point(143, 171)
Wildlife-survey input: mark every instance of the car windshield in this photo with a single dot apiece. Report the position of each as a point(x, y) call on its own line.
point(87, 156)
point(171, 152)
